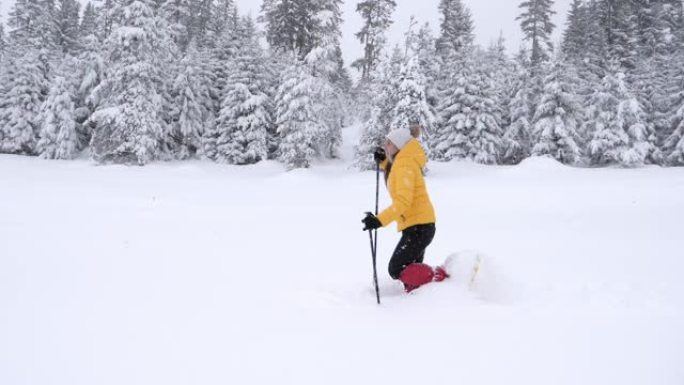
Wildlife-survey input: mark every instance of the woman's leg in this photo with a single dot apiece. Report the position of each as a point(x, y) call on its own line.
point(411, 248)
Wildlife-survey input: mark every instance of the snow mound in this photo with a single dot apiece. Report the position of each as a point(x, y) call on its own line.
point(479, 274)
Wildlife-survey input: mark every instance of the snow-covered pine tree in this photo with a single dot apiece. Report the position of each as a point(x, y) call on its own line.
point(188, 113)
point(211, 130)
point(651, 19)
point(585, 48)
point(275, 64)
point(501, 72)
point(536, 24)
point(90, 69)
point(429, 62)
point(330, 21)
point(89, 21)
point(621, 31)
point(20, 102)
point(557, 117)
point(673, 138)
point(67, 22)
point(227, 35)
point(221, 50)
point(128, 118)
point(412, 104)
point(328, 106)
point(674, 144)
point(59, 133)
point(456, 29)
point(377, 19)
point(167, 52)
point(106, 17)
point(245, 115)
point(620, 133)
point(296, 119)
point(575, 36)
point(594, 55)
point(3, 42)
point(32, 24)
point(202, 18)
point(178, 17)
point(516, 139)
point(469, 119)
point(291, 25)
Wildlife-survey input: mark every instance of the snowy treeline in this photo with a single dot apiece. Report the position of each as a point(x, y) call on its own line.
point(612, 93)
point(133, 81)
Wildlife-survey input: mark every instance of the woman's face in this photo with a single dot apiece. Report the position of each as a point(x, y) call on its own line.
point(390, 149)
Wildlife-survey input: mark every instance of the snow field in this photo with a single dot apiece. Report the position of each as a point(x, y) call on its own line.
point(196, 273)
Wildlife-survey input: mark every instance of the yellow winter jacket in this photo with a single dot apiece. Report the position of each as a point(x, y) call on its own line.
point(411, 204)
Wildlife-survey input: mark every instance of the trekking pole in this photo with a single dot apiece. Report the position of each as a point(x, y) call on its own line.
point(374, 240)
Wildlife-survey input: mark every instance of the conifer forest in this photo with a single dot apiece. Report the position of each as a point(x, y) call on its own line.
point(140, 81)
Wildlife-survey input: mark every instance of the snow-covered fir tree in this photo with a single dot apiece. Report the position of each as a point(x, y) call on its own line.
point(620, 25)
point(456, 29)
point(216, 70)
point(516, 137)
point(674, 144)
point(411, 99)
point(557, 117)
point(245, 115)
point(32, 24)
point(329, 106)
point(106, 17)
point(296, 119)
point(23, 93)
point(67, 25)
point(652, 27)
point(575, 34)
point(89, 21)
point(59, 133)
point(428, 60)
point(536, 24)
point(128, 118)
point(291, 25)
point(469, 119)
point(501, 72)
point(3, 42)
point(620, 133)
point(178, 17)
point(189, 113)
point(673, 135)
point(377, 19)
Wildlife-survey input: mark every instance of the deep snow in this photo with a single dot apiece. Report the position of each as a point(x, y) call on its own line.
point(197, 273)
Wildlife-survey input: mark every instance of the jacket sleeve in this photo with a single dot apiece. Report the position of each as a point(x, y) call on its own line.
point(403, 183)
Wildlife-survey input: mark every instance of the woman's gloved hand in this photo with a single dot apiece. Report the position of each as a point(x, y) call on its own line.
point(379, 155)
point(371, 222)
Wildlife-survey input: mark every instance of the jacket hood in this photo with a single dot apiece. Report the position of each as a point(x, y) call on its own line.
point(413, 151)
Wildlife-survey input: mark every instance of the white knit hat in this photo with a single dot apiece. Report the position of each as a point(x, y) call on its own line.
point(400, 137)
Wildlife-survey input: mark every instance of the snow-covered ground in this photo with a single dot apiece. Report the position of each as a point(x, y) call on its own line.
point(197, 273)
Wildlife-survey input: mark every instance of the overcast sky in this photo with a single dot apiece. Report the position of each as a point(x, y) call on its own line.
point(491, 18)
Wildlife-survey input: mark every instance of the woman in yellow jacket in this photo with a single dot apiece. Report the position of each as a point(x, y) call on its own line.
point(403, 160)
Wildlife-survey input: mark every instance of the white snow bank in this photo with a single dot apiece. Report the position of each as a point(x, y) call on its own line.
point(196, 273)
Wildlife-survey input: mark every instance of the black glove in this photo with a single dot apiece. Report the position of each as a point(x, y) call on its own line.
point(379, 155)
point(371, 222)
